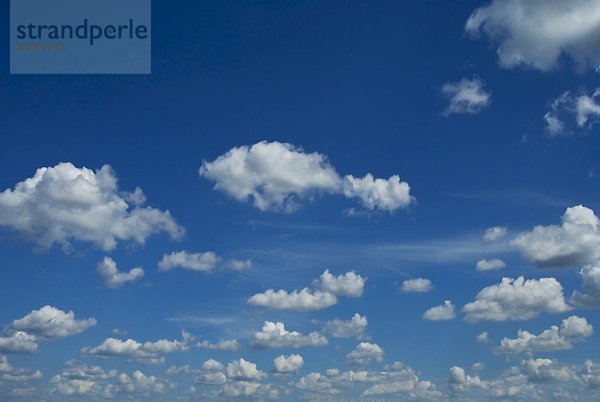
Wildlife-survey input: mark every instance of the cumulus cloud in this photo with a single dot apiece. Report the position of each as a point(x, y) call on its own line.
point(570, 112)
point(274, 335)
point(64, 203)
point(442, 312)
point(572, 329)
point(483, 337)
point(147, 352)
point(279, 176)
point(466, 96)
point(230, 345)
point(13, 374)
point(18, 342)
point(113, 278)
point(243, 370)
point(364, 353)
point(546, 370)
point(193, 261)
point(328, 287)
point(590, 297)
point(417, 285)
point(575, 242)
point(517, 299)
point(537, 34)
point(287, 364)
point(489, 265)
point(354, 328)
point(459, 380)
point(495, 233)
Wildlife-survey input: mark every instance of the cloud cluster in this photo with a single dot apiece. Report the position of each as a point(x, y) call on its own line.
point(538, 33)
point(113, 278)
point(279, 176)
point(24, 334)
point(466, 96)
point(274, 335)
point(572, 329)
point(570, 112)
point(328, 288)
point(64, 203)
point(517, 299)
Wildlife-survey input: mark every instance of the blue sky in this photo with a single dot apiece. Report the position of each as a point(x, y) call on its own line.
point(274, 141)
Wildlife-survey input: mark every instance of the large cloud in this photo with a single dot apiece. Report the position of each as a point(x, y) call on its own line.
point(538, 33)
point(274, 335)
point(571, 330)
point(113, 278)
point(575, 242)
point(278, 176)
point(466, 96)
point(64, 203)
point(517, 299)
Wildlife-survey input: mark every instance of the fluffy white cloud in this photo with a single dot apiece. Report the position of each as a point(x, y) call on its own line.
point(303, 300)
point(546, 370)
point(274, 335)
point(537, 33)
point(482, 337)
point(591, 374)
point(489, 265)
point(466, 96)
point(113, 278)
point(64, 203)
point(364, 353)
point(147, 352)
point(571, 330)
point(230, 345)
point(571, 111)
point(517, 299)
point(349, 284)
point(459, 380)
point(278, 176)
point(194, 261)
point(212, 373)
point(444, 311)
point(590, 298)
point(417, 285)
point(287, 364)
point(18, 342)
point(13, 374)
point(355, 327)
point(495, 233)
point(243, 370)
point(575, 242)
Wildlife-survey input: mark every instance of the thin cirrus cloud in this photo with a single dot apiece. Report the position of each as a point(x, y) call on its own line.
point(536, 34)
point(24, 334)
point(571, 112)
point(62, 204)
point(113, 278)
point(279, 176)
point(517, 300)
point(572, 329)
point(202, 262)
point(328, 288)
point(467, 96)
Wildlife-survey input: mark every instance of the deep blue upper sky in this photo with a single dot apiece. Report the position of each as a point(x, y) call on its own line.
point(361, 83)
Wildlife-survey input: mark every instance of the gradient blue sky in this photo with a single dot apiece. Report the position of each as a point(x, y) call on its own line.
point(361, 83)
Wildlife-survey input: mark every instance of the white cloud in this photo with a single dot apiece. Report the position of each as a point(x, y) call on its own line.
point(303, 300)
point(243, 370)
point(489, 265)
point(64, 203)
point(571, 330)
point(466, 96)
point(575, 242)
point(570, 112)
point(591, 374)
point(24, 334)
point(279, 176)
point(546, 370)
point(495, 233)
point(194, 261)
point(147, 352)
point(212, 373)
point(113, 278)
point(288, 364)
point(417, 285)
point(239, 265)
point(354, 328)
point(274, 335)
point(13, 374)
point(460, 380)
point(364, 353)
point(349, 284)
point(444, 311)
point(591, 285)
point(538, 33)
point(230, 345)
point(517, 299)
point(482, 337)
